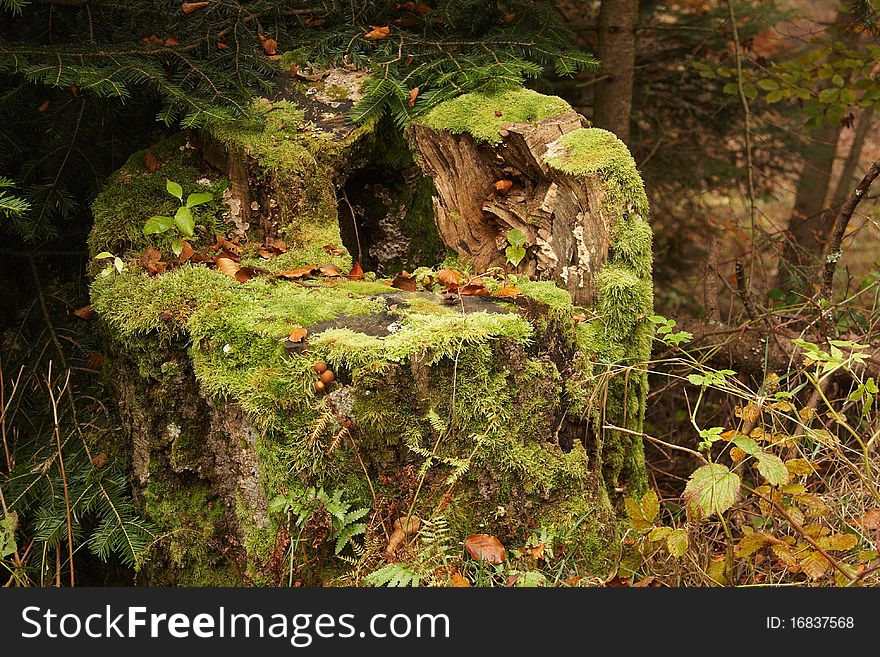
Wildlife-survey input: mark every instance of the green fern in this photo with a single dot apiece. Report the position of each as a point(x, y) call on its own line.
point(393, 575)
point(11, 205)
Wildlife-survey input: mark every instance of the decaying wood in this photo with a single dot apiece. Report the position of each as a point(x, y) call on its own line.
point(566, 233)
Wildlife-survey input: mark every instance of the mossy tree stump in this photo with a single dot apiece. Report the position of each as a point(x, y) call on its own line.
point(480, 414)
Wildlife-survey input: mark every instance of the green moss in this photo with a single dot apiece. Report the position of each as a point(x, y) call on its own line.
point(477, 113)
point(337, 92)
point(133, 195)
point(593, 150)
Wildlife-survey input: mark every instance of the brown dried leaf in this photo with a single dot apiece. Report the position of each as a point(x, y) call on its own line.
point(870, 521)
point(192, 7)
point(459, 581)
point(227, 267)
point(151, 164)
point(329, 270)
point(42, 107)
point(356, 273)
point(503, 186)
point(405, 281)
point(172, 41)
point(377, 32)
point(223, 244)
point(306, 271)
point(86, 312)
point(413, 94)
point(151, 260)
point(186, 252)
point(222, 45)
point(298, 334)
point(450, 278)
point(99, 460)
point(485, 546)
point(474, 290)
point(509, 291)
point(270, 46)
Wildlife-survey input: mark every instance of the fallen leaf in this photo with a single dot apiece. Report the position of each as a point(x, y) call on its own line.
point(245, 274)
point(86, 312)
point(405, 22)
point(508, 291)
point(401, 533)
point(413, 94)
point(503, 186)
point(450, 278)
point(222, 45)
point(499, 113)
point(95, 361)
point(298, 334)
point(870, 521)
point(227, 267)
point(172, 41)
point(273, 248)
point(356, 273)
point(99, 460)
point(644, 583)
point(474, 290)
point(329, 270)
point(485, 547)
point(151, 164)
point(377, 32)
point(299, 272)
point(191, 7)
point(536, 552)
point(405, 281)
point(186, 252)
point(459, 581)
point(151, 260)
point(333, 250)
point(572, 581)
point(579, 317)
point(42, 107)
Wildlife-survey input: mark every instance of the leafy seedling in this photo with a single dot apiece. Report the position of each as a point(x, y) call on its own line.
point(515, 250)
point(182, 221)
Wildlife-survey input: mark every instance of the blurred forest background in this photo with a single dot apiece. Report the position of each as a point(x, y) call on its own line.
point(755, 127)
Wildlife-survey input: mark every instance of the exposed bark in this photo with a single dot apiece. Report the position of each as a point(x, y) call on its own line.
point(559, 214)
point(617, 53)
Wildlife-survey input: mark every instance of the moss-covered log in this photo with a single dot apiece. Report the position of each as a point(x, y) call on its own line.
point(477, 414)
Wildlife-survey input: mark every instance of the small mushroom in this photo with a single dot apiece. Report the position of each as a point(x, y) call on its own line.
point(401, 533)
point(319, 386)
point(320, 367)
point(327, 376)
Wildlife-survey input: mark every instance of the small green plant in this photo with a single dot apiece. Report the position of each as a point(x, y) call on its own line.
point(117, 264)
point(182, 221)
point(664, 330)
point(516, 249)
point(301, 509)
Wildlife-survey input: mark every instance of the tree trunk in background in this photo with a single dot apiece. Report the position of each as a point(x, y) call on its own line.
point(844, 185)
point(617, 52)
point(811, 218)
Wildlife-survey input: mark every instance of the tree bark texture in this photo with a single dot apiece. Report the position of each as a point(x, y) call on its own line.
point(617, 54)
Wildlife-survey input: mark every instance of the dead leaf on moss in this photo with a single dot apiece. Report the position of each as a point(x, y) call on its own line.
point(223, 244)
point(329, 270)
point(507, 291)
point(450, 278)
point(151, 260)
point(405, 281)
point(151, 164)
point(356, 273)
point(377, 32)
point(186, 252)
point(333, 250)
point(227, 267)
point(306, 271)
point(485, 547)
point(459, 581)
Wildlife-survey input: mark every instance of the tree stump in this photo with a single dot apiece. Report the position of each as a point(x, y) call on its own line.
point(485, 413)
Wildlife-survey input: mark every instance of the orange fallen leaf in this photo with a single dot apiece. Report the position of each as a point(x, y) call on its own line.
point(191, 7)
point(43, 106)
point(330, 270)
point(222, 45)
point(356, 273)
point(298, 334)
point(485, 547)
point(151, 164)
point(413, 94)
point(459, 581)
point(507, 291)
point(186, 252)
point(298, 272)
point(270, 46)
point(450, 278)
point(869, 521)
point(245, 274)
point(99, 460)
point(405, 281)
point(224, 244)
point(227, 267)
point(86, 312)
point(172, 41)
point(377, 32)
point(503, 186)
point(572, 581)
point(536, 552)
point(499, 113)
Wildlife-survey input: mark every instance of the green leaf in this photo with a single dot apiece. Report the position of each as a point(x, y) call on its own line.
point(774, 97)
point(772, 468)
point(749, 544)
point(103, 254)
point(198, 198)
point(174, 189)
point(636, 515)
point(768, 84)
point(515, 237)
point(659, 533)
point(177, 245)
point(184, 221)
point(730, 88)
point(650, 504)
point(677, 543)
point(711, 489)
point(157, 225)
point(279, 504)
point(746, 444)
point(8, 525)
point(515, 254)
